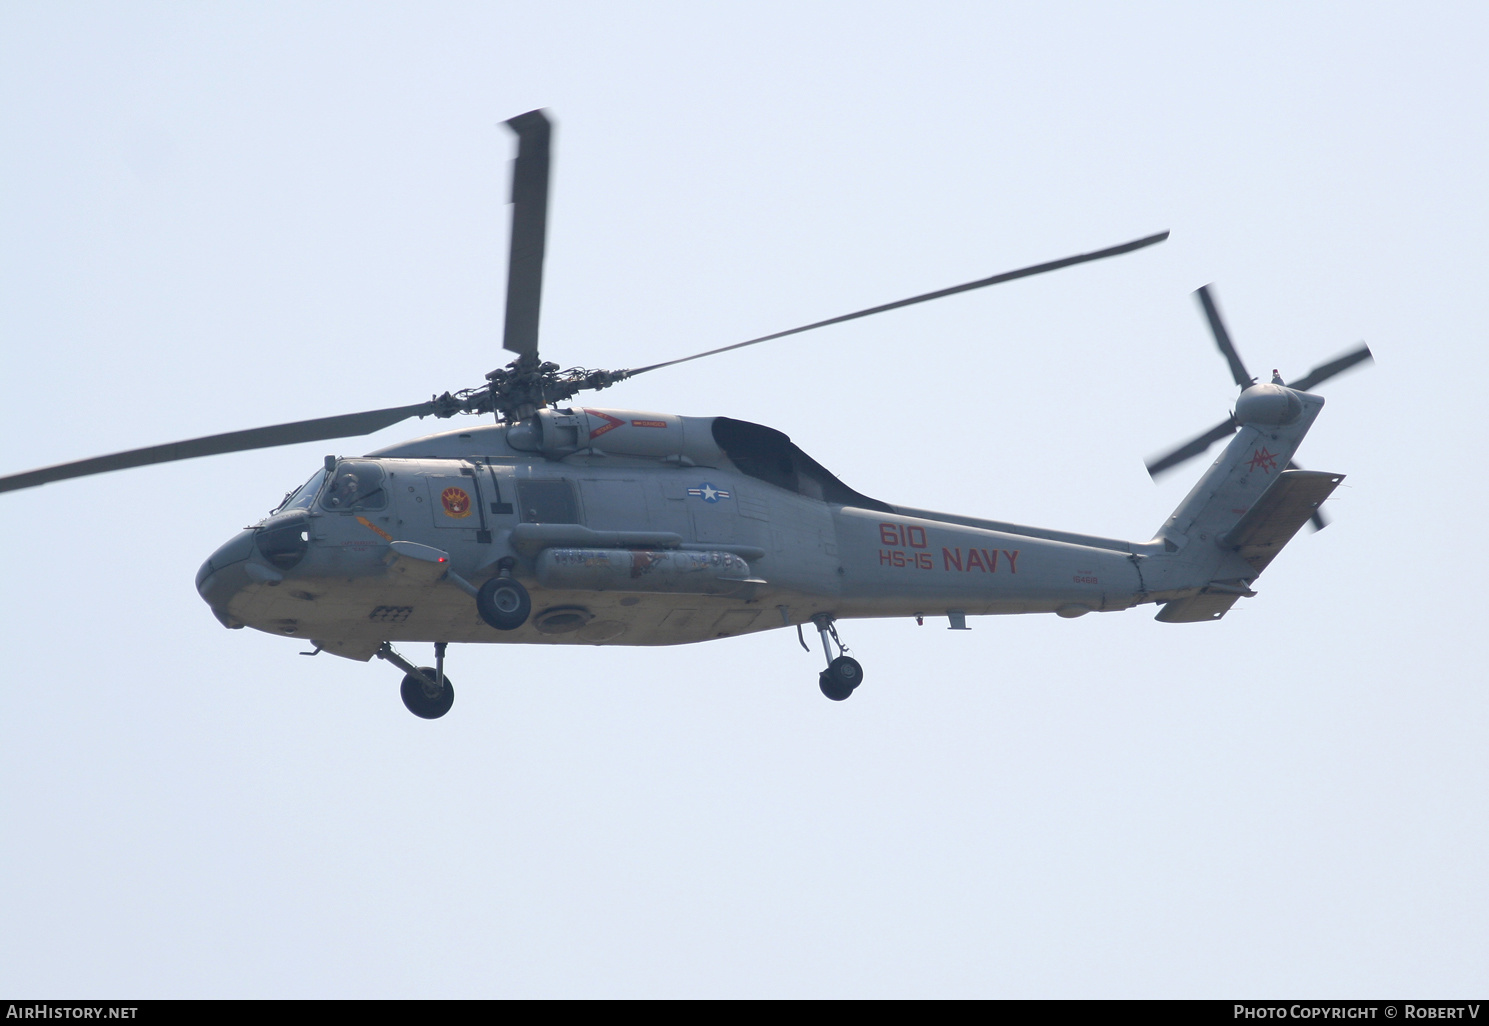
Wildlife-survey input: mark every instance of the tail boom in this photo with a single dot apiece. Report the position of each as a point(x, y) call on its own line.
point(1240, 514)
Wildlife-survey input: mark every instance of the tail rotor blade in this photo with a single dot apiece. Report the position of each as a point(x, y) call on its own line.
point(1324, 371)
point(1193, 448)
point(1222, 338)
point(529, 231)
point(344, 426)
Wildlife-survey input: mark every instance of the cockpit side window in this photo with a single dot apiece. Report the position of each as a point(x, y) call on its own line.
point(355, 485)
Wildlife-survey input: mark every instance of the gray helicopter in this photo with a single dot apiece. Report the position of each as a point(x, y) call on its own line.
point(579, 525)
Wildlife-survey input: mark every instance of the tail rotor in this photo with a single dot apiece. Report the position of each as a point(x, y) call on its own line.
point(1202, 442)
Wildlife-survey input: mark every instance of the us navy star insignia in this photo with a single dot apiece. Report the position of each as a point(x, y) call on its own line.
point(708, 493)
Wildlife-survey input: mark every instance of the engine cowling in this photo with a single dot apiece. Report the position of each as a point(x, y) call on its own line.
point(560, 433)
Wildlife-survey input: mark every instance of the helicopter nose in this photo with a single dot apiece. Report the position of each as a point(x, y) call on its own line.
point(225, 573)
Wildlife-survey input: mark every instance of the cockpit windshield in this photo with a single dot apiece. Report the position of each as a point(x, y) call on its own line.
point(302, 497)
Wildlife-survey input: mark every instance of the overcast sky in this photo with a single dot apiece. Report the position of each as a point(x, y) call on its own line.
point(215, 217)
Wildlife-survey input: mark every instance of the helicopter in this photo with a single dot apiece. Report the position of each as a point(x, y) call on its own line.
point(561, 524)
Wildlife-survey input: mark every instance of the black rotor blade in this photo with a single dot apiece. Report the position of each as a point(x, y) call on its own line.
point(1193, 448)
point(1324, 371)
point(529, 231)
point(344, 426)
point(1222, 338)
point(1024, 272)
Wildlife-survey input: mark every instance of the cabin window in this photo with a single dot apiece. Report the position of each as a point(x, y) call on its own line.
point(355, 485)
point(547, 502)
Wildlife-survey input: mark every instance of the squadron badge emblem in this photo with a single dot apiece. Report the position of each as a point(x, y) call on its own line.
point(456, 502)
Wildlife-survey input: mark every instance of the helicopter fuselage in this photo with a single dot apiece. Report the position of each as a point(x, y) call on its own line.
point(628, 528)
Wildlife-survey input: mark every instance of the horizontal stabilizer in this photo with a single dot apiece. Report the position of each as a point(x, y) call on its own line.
point(1279, 514)
point(1204, 606)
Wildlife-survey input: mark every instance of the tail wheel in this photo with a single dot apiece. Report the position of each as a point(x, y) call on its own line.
point(842, 675)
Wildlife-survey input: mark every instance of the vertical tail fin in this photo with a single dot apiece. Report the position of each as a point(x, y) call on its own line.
point(1244, 508)
point(1273, 421)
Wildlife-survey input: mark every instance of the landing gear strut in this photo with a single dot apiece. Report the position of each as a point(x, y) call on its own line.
point(843, 674)
point(426, 690)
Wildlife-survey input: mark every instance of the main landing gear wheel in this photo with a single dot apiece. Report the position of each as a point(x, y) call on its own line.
point(424, 699)
point(842, 675)
point(503, 603)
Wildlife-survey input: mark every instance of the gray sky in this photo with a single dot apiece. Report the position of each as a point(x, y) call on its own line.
point(216, 217)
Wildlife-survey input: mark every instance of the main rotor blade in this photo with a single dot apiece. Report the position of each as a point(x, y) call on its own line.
point(1024, 272)
point(344, 426)
point(1222, 338)
point(1324, 371)
point(529, 231)
point(1192, 448)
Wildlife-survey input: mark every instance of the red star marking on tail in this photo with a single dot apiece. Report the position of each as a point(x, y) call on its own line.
point(1263, 460)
